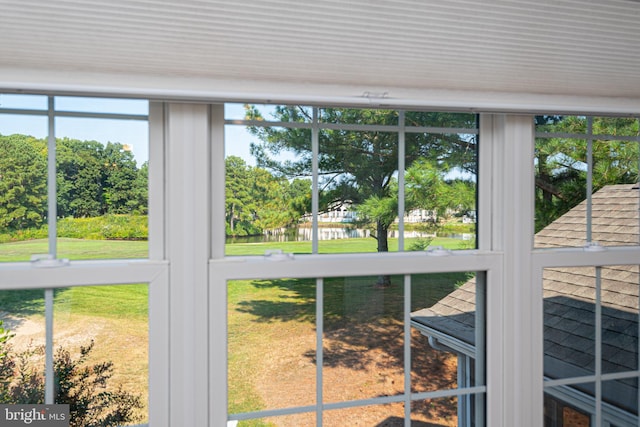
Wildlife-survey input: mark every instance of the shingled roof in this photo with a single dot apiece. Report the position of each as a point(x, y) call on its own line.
point(569, 299)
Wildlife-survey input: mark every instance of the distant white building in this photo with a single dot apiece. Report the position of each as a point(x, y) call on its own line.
point(342, 213)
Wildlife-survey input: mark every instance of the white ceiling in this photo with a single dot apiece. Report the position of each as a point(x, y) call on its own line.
point(586, 48)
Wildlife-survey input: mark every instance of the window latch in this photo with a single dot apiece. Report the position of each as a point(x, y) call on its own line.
point(277, 255)
point(437, 251)
point(594, 247)
point(48, 261)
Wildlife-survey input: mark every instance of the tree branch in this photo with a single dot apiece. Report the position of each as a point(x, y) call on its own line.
point(549, 188)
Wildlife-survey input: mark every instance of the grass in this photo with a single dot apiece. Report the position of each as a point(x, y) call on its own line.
point(76, 249)
point(80, 249)
point(341, 246)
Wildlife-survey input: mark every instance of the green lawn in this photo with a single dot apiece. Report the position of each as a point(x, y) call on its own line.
point(363, 245)
point(79, 249)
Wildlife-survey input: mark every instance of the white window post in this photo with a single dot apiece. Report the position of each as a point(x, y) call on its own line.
point(520, 296)
point(188, 233)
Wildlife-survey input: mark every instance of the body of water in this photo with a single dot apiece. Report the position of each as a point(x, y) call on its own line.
point(302, 234)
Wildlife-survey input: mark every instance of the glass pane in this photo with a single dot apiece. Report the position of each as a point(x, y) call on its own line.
point(563, 216)
point(266, 368)
point(102, 173)
point(363, 338)
point(445, 331)
point(298, 420)
point(358, 190)
point(22, 317)
point(615, 215)
point(268, 190)
point(391, 415)
point(268, 113)
point(22, 339)
point(569, 322)
point(23, 187)
point(26, 102)
point(622, 394)
point(100, 350)
point(34, 126)
point(440, 191)
point(557, 412)
point(620, 318)
point(103, 332)
point(560, 193)
point(443, 120)
point(356, 116)
point(102, 105)
point(615, 126)
point(448, 411)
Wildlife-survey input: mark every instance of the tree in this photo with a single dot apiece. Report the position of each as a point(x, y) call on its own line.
point(23, 182)
point(139, 202)
point(357, 167)
point(95, 179)
point(121, 194)
point(239, 211)
point(80, 179)
point(561, 163)
point(256, 200)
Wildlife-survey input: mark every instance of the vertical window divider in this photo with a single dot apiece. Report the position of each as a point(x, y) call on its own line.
point(479, 377)
point(315, 190)
point(52, 218)
point(638, 243)
point(401, 182)
point(589, 175)
point(598, 349)
point(319, 350)
point(407, 350)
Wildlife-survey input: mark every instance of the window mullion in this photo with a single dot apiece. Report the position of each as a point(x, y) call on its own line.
point(188, 209)
point(401, 180)
point(52, 218)
point(520, 297)
point(315, 195)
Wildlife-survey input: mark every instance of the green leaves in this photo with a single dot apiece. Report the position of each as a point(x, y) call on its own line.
point(23, 182)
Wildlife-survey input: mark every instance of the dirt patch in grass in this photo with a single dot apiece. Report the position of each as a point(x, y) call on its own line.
point(369, 365)
point(272, 355)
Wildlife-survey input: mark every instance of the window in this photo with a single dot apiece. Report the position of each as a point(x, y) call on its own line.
point(587, 198)
point(74, 177)
point(344, 183)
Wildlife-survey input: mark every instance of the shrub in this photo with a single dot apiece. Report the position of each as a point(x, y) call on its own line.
point(107, 227)
point(81, 385)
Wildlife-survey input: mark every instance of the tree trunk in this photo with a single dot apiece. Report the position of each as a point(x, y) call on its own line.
point(232, 218)
point(382, 231)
